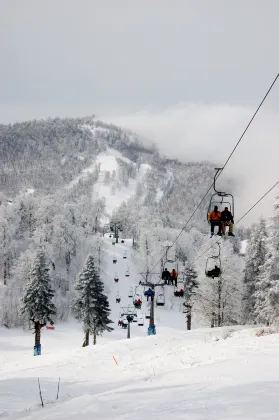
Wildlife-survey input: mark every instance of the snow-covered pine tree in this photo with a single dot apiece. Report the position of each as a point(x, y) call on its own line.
point(267, 286)
point(38, 295)
point(91, 305)
point(190, 286)
point(256, 255)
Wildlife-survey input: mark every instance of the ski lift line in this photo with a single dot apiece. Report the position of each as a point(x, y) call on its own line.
point(227, 161)
point(248, 125)
point(242, 217)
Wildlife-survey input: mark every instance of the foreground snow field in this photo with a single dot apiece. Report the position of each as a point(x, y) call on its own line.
point(202, 374)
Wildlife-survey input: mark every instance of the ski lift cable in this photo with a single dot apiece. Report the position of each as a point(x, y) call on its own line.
point(227, 161)
point(242, 217)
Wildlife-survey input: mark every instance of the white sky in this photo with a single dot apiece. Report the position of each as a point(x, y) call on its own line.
point(186, 74)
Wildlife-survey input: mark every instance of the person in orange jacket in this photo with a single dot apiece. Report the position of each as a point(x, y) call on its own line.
point(214, 218)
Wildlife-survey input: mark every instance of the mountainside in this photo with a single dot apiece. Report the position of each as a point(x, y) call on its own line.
point(63, 180)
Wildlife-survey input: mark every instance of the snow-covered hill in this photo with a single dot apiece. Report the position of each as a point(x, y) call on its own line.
point(204, 374)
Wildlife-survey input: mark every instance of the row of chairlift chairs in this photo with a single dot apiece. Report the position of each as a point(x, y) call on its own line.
point(213, 267)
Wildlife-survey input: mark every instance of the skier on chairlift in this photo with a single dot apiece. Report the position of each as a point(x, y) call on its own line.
point(166, 276)
point(227, 220)
point(174, 277)
point(149, 293)
point(214, 218)
point(138, 303)
point(215, 272)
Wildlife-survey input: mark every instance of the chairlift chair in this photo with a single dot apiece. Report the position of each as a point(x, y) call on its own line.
point(125, 255)
point(160, 300)
point(130, 293)
point(127, 273)
point(140, 321)
point(213, 262)
point(147, 314)
point(220, 198)
point(178, 293)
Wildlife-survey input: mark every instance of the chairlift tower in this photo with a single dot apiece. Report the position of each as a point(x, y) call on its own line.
point(129, 313)
point(117, 225)
point(152, 327)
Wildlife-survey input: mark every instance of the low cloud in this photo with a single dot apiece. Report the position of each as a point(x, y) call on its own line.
point(191, 132)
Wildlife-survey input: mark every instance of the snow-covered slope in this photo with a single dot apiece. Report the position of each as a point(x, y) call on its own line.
point(107, 162)
point(203, 374)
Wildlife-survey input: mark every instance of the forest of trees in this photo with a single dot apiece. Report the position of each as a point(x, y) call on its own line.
point(46, 205)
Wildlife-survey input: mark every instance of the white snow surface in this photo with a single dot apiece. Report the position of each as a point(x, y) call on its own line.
point(173, 375)
point(204, 374)
point(108, 163)
point(243, 248)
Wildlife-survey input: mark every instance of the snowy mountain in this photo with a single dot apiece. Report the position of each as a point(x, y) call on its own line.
point(64, 179)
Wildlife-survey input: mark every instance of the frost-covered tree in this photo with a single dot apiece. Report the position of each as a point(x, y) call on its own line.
point(219, 298)
point(91, 305)
point(267, 286)
point(12, 316)
point(190, 288)
point(256, 254)
point(38, 296)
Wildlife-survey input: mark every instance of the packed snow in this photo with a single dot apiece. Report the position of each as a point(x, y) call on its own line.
point(220, 373)
point(202, 374)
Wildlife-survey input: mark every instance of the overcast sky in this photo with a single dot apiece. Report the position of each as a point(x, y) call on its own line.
point(185, 73)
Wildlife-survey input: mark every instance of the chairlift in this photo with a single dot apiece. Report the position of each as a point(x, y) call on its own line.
point(113, 241)
point(125, 255)
point(114, 259)
point(124, 323)
point(213, 267)
point(220, 198)
point(127, 273)
point(137, 298)
point(118, 298)
point(140, 320)
point(116, 279)
point(178, 293)
point(147, 314)
point(160, 299)
point(130, 293)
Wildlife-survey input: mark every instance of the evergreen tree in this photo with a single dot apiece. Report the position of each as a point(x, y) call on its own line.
point(91, 305)
point(37, 299)
point(256, 255)
point(267, 287)
point(190, 286)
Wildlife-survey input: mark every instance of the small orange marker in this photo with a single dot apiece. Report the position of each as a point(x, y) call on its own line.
point(115, 360)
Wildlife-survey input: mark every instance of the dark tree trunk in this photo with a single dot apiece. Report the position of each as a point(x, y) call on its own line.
point(37, 327)
point(5, 274)
point(86, 339)
point(94, 339)
point(68, 261)
point(219, 302)
point(213, 319)
point(189, 321)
